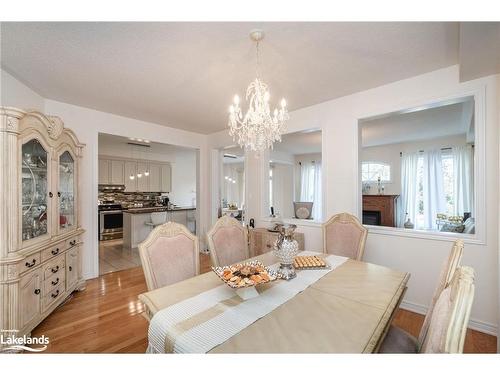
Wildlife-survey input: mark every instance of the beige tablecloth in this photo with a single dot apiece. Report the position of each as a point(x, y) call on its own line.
point(346, 311)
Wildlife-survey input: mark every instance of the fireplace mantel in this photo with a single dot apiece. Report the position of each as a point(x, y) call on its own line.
point(385, 204)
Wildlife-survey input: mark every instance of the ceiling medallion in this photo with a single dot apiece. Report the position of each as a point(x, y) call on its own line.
point(258, 129)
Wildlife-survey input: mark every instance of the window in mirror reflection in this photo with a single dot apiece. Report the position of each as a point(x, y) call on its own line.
point(372, 171)
point(295, 177)
point(417, 168)
point(232, 186)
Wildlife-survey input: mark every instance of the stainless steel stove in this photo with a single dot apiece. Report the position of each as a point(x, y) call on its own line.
point(110, 221)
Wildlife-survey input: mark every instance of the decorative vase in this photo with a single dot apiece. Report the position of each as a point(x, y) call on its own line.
point(285, 249)
point(408, 224)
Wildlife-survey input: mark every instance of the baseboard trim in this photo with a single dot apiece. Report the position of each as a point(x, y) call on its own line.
point(476, 325)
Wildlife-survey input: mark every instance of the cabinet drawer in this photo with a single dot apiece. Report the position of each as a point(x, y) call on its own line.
point(54, 267)
point(53, 251)
point(71, 242)
point(52, 296)
point(54, 281)
point(30, 262)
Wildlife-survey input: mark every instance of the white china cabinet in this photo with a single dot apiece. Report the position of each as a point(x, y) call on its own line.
point(40, 233)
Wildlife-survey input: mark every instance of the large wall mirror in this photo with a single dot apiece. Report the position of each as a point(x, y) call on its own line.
point(417, 168)
point(295, 177)
point(232, 183)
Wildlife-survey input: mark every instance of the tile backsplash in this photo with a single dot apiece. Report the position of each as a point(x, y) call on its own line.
point(128, 199)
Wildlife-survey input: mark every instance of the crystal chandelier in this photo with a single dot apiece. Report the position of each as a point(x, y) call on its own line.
point(258, 129)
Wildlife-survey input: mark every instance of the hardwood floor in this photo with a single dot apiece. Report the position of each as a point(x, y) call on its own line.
point(106, 317)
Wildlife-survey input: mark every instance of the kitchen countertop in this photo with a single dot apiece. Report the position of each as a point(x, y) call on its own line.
point(145, 210)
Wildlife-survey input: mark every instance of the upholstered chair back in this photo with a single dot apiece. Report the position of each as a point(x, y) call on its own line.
point(344, 235)
point(170, 254)
point(448, 269)
point(228, 242)
point(449, 320)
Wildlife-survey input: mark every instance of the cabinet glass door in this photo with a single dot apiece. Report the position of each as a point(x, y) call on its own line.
point(66, 191)
point(34, 190)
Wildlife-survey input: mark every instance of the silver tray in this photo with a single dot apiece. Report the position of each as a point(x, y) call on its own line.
point(273, 275)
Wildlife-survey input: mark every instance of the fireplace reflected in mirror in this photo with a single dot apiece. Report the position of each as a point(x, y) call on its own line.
point(371, 217)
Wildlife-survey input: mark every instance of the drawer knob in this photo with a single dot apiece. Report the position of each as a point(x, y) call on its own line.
point(37, 291)
point(50, 194)
point(70, 268)
point(55, 252)
point(54, 270)
point(59, 194)
point(72, 243)
point(55, 282)
point(54, 295)
point(29, 265)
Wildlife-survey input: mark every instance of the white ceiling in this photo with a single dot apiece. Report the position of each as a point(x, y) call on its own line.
point(300, 143)
point(425, 124)
point(184, 75)
point(131, 146)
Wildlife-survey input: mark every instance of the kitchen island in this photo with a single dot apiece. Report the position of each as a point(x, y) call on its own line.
point(137, 222)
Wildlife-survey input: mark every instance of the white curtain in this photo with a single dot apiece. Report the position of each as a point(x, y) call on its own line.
point(433, 190)
point(283, 189)
point(310, 187)
point(408, 199)
point(463, 172)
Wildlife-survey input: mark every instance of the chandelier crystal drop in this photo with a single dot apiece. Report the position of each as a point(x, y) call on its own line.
point(258, 128)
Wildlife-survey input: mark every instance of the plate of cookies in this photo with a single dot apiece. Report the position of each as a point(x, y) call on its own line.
point(244, 275)
point(310, 262)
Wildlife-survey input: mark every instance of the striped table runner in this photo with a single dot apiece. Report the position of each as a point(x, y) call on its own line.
point(200, 323)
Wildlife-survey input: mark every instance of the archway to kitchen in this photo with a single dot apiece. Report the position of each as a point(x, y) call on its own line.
point(141, 184)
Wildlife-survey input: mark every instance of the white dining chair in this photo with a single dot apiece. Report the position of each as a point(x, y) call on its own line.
point(344, 235)
point(228, 242)
point(398, 340)
point(169, 254)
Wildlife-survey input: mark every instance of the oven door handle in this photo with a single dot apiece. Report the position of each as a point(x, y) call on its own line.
point(111, 212)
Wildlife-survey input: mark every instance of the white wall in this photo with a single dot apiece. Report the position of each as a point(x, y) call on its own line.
point(14, 93)
point(87, 124)
point(184, 178)
point(390, 154)
point(421, 257)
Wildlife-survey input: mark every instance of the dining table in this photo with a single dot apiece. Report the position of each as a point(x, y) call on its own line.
point(346, 310)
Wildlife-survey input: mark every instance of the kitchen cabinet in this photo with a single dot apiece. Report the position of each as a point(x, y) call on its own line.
point(179, 217)
point(130, 170)
point(166, 178)
point(143, 180)
point(137, 227)
point(104, 171)
point(154, 177)
point(117, 172)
